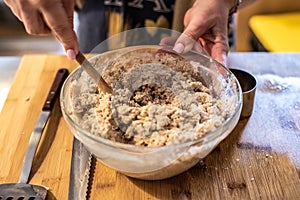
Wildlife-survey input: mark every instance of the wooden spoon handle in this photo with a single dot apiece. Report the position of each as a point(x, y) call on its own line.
point(93, 73)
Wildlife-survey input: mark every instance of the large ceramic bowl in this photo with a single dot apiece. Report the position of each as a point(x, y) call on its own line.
point(152, 162)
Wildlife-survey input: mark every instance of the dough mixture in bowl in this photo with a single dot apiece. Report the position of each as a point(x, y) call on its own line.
point(159, 98)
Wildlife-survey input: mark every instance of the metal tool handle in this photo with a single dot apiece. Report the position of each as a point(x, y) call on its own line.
point(35, 137)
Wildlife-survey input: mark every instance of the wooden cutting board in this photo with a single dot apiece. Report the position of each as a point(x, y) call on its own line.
point(246, 165)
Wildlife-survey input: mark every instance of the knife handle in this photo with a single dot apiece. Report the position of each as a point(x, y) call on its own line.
point(60, 77)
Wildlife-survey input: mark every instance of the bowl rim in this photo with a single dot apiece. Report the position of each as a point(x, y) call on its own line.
point(209, 136)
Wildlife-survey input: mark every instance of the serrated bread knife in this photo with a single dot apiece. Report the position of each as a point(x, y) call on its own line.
point(80, 172)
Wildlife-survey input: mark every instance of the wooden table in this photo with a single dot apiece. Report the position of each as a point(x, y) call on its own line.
point(259, 160)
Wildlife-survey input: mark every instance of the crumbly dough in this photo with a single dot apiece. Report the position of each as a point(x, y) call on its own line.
point(159, 99)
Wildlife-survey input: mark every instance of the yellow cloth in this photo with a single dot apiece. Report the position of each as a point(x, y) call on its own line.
point(277, 32)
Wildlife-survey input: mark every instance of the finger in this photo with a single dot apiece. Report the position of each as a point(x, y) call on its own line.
point(34, 23)
point(30, 17)
point(219, 51)
point(170, 41)
point(220, 56)
point(196, 26)
point(57, 20)
point(71, 54)
point(69, 8)
point(14, 8)
point(184, 44)
point(200, 47)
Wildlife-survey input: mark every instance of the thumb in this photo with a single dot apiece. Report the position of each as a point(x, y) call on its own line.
point(184, 44)
point(195, 27)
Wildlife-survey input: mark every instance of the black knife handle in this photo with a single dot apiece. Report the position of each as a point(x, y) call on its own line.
point(60, 77)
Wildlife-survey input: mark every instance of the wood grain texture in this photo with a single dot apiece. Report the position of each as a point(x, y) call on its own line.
point(239, 168)
point(51, 164)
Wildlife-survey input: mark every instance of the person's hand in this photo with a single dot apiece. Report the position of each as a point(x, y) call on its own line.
point(41, 17)
point(206, 23)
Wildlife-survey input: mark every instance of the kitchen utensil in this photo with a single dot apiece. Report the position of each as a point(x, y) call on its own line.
point(248, 84)
point(23, 190)
point(93, 73)
point(80, 171)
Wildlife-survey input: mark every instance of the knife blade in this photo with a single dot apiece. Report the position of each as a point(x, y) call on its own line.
point(80, 171)
point(36, 134)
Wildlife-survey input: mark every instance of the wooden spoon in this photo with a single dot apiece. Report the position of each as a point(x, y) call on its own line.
point(93, 73)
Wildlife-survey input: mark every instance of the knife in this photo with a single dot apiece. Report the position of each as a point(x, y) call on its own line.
point(80, 171)
point(35, 137)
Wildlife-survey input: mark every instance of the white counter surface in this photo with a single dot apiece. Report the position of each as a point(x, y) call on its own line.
point(8, 68)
